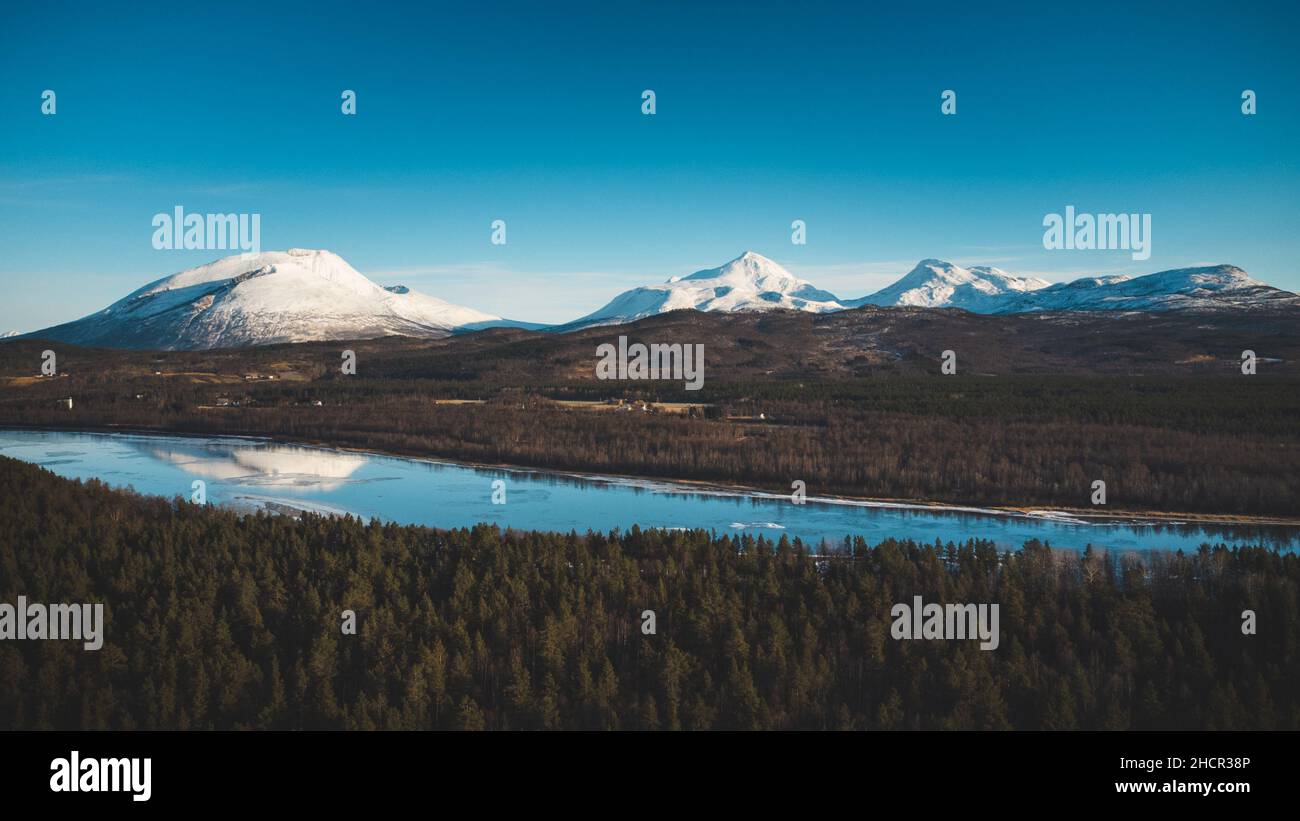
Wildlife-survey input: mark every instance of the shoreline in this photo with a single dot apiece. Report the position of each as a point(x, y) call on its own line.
point(1063, 515)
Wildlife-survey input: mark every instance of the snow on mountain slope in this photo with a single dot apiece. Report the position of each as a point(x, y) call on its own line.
point(750, 282)
point(301, 295)
point(937, 284)
point(934, 283)
point(1212, 287)
point(259, 299)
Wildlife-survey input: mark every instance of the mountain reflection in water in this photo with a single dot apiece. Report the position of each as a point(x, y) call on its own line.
point(256, 473)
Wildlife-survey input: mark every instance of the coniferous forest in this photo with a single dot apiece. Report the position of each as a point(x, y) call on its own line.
point(221, 620)
point(1205, 443)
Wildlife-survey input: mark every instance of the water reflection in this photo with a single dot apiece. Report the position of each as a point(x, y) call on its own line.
point(255, 464)
point(256, 473)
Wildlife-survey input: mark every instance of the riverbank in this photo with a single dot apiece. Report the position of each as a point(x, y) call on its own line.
point(1059, 515)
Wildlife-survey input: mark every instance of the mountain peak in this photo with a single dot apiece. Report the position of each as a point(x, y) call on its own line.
point(935, 283)
point(1211, 287)
point(1222, 274)
point(749, 265)
point(750, 282)
point(298, 295)
point(306, 294)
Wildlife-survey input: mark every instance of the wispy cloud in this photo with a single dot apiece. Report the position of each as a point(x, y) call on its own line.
point(49, 183)
point(231, 189)
point(47, 191)
point(849, 280)
point(538, 296)
point(479, 272)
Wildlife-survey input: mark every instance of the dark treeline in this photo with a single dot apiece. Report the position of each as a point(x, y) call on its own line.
point(1175, 444)
point(216, 620)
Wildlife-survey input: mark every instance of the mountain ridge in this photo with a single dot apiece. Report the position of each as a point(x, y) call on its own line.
point(303, 295)
point(936, 283)
point(1210, 287)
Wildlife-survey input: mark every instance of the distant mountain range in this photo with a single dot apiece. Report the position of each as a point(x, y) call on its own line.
point(934, 283)
point(312, 295)
point(752, 282)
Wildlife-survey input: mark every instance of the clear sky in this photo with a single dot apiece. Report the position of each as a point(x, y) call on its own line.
point(531, 113)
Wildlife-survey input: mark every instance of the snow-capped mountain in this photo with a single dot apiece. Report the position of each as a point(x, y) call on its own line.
point(303, 295)
point(937, 284)
point(259, 299)
point(934, 283)
point(1207, 288)
point(750, 282)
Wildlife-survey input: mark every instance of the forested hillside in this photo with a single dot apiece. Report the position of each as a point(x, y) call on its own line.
point(220, 621)
point(1215, 444)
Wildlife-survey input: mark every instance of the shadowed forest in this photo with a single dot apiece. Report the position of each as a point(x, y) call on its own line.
point(216, 620)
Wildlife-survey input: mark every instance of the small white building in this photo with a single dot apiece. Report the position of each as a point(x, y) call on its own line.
point(67, 402)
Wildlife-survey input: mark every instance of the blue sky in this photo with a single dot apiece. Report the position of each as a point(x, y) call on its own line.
point(531, 113)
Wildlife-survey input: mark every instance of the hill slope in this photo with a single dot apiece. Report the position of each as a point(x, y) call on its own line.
point(259, 299)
